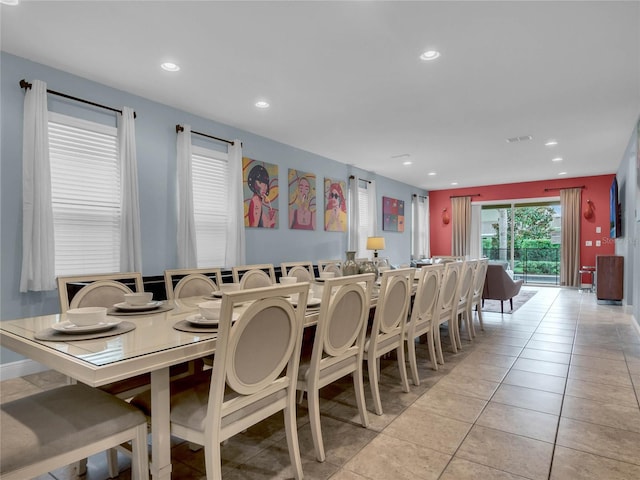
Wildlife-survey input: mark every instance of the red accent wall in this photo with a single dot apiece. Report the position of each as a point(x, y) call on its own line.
point(596, 189)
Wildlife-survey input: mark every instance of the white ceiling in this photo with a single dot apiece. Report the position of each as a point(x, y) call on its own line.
point(344, 79)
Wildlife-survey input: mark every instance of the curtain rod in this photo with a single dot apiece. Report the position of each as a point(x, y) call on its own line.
point(460, 196)
point(563, 188)
point(351, 177)
point(180, 128)
point(420, 196)
point(26, 85)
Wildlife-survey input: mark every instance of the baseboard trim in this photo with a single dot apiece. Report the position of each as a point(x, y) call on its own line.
point(636, 324)
point(20, 368)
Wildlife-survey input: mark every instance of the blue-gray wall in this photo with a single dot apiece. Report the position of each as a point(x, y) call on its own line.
point(156, 149)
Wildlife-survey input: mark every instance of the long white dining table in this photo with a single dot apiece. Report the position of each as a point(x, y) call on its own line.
point(152, 347)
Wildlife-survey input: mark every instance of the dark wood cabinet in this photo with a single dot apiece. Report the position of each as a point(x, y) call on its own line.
point(609, 277)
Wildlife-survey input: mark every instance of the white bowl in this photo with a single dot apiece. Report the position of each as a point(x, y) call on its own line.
point(229, 287)
point(87, 315)
point(210, 310)
point(326, 275)
point(288, 280)
point(138, 298)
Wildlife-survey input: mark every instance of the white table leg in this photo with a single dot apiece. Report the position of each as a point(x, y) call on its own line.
point(160, 429)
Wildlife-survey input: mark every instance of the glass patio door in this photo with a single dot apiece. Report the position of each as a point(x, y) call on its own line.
point(526, 236)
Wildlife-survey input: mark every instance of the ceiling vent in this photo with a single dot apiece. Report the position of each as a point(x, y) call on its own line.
point(523, 138)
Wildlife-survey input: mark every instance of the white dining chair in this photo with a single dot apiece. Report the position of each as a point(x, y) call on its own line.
point(446, 304)
point(421, 321)
point(255, 279)
point(303, 271)
point(476, 298)
point(254, 375)
point(388, 329)
point(338, 347)
point(334, 266)
point(99, 290)
point(54, 428)
point(464, 295)
point(191, 282)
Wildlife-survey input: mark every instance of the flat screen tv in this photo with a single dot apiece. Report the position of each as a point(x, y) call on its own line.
point(615, 227)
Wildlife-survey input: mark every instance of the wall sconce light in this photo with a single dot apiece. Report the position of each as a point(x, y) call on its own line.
point(588, 212)
point(445, 217)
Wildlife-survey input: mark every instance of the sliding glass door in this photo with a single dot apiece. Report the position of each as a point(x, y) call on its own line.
point(526, 237)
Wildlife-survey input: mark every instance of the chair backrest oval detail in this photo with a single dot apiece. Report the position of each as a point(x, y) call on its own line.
point(194, 285)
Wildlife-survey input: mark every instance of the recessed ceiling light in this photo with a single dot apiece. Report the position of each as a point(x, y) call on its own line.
point(262, 104)
point(562, 173)
point(454, 183)
point(551, 143)
point(431, 174)
point(408, 162)
point(556, 159)
point(169, 67)
point(429, 55)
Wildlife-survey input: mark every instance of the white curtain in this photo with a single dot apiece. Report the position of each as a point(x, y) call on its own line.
point(130, 243)
point(373, 209)
point(475, 249)
point(235, 253)
point(420, 238)
point(354, 215)
point(38, 250)
point(186, 239)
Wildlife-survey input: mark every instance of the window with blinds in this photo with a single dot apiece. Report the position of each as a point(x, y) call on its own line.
point(210, 175)
point(85, 194)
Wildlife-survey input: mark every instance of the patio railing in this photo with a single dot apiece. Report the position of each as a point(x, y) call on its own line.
point(533, 265)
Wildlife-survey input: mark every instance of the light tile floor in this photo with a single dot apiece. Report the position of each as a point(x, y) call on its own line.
point(548, 392)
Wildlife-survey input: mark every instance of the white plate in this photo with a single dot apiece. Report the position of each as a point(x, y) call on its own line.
point(217, 294)
point(136, 308)
point(198, 319)
point(311, 302)
point(68, 327)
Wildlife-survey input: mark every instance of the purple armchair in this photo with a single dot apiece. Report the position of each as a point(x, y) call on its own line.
point(500, 286)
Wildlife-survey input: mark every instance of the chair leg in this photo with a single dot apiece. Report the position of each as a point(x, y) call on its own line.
point(501, 306)
point(402, 366)
point(413, 363)
point(479, 310)
point(432, 351)
point(139, 455)
point(511, 303)
point(313, 399)
point(358, 385)
point(112, 463)
point(373, 383)
point(212, 457)
point(452, 333)
point(438, 343)
point(291, 429)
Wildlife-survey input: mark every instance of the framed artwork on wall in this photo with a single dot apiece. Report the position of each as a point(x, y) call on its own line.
point(392, 214)
point(302, 200)
point(335, 205)
point(260, 193)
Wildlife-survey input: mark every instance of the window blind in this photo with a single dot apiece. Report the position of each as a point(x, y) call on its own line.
point(210, 176)
point(85, 194)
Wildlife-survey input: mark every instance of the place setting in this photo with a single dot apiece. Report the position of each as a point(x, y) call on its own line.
point(206, 320)
point(138, 303)
point(85, 323)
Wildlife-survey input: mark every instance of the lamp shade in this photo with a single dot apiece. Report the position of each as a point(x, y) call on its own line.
point(375, 243)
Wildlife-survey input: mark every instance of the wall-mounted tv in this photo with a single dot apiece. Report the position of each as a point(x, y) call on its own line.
point(615, 219)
